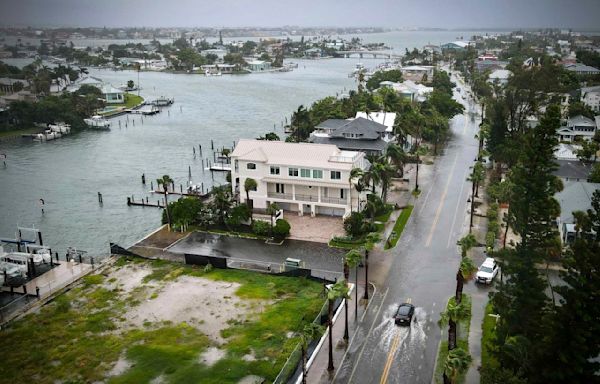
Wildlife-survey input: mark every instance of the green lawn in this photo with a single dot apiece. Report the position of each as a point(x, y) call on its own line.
point(398, 227)
point(18, 132)
point(462, 341)
point(77, 337)
point(487, 339)
point(389, 208)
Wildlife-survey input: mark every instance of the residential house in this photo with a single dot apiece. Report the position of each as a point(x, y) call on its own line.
point(499, 76)
point(590, 96)
point(572, 170)
point(577, 128)
point(490, 65)
point(418, 73)
point(359, 134)
point(300, 177)
point(582, 69)
point(7, 84)
point(220, 53)
point(111, 94)
point(575, 196)
point(409, 90)
point(259, 65)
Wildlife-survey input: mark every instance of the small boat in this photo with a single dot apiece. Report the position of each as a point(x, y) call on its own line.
point(209, 73)
point(162, 102)
point(60, 128)
point(47, 135)
point(97, 122)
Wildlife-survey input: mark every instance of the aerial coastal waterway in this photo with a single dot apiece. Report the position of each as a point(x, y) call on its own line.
point(68, 173)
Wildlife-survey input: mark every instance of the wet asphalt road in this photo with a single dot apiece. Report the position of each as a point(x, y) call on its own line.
point(422, 272)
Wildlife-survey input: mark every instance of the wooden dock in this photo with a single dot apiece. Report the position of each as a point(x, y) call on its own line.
point(144, 203)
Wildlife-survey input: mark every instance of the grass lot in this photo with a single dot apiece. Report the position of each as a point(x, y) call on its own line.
point(462, 341)
point(131, 101)
point(18, 132)
point(346, 244)
point(81, 334)
point(398, 227)
point(487, 339)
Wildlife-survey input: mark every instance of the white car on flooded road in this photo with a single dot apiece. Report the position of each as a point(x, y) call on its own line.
point(487, 271)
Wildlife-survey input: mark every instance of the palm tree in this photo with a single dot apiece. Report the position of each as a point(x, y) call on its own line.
point(383, 172)
point(457, 362)
point(454, 313)
point(465, 271)
point(309, 332)
point(476, 176)
point(249, 185)
point(222, 204)
point(165, 181)
point(272, 209)
point(371, 240)
point(466, 243)
point(339, 290)
point(353, 259)
point(397, 157)
point(357, 173)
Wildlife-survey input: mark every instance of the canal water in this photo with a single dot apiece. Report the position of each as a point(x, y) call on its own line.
point(68, 173)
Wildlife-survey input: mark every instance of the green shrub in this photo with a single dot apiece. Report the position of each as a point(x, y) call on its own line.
point(183, 211)
point(239, 214)
point(493, 226)
point(261, 228)
point(354, 225)
point(490, 239)
point(281, 230)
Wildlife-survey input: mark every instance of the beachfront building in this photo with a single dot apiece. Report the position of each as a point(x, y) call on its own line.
point(304, 178)
point(259, 65)
point(577, 128)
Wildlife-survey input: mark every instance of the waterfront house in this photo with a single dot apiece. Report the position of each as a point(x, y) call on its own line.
point(359, 134)
point(577, 128)
point(418, 73)
point(455, 46)
point(305, 178)
point(112, 95)
point(259, 65)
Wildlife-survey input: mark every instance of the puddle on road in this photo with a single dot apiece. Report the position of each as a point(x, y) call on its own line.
point(410, 337)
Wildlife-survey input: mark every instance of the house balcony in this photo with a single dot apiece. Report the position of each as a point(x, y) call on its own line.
point(277, 195)
point(302, 197)
point(334, 200)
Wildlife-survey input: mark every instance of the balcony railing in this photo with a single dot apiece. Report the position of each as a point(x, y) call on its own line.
point(334, 200)
point(277, 195)
point(307, 197)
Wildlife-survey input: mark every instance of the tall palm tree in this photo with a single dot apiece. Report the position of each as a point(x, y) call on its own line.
point(465, 271)
point(466, 243)
point(357, 174)
point(165, 181)
point(249, 185)
point(383, 172)
point(272, 209)
point(477, 175)
point(371, 239)
point(339, 290)
point(457, 362)
point(397, 157)
point(353, 259)
point(454, 313)
point(309, 332)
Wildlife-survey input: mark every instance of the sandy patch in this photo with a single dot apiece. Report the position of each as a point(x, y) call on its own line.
point(211, 356)
point(204, 303)
point(120, 367)
point(128, 277)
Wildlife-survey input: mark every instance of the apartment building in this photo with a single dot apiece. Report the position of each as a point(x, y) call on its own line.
point(305, 178)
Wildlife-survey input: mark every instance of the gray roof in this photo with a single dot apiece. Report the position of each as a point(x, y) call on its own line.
point(572, 169)
point(368, 129)
point(580, 121)
point(590, 89)
point(332, 124)
point(575, 196)
point(578, 67)
point(352, 144)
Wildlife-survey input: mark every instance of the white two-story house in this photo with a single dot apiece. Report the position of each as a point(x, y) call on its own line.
point(300, 177)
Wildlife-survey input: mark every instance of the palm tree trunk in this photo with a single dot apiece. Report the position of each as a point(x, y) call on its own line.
point(167, 209)
point(366, 296)
point(451, 334)
point(330, 324)
point(506, 229)
point(417, 174)
point(472, 207)
point(446, 379)
point(356, 293)
point(346, 276)
point(460, 282)
point(304, 370)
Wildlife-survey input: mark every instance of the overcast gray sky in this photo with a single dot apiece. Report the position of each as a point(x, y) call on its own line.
point(487, 14)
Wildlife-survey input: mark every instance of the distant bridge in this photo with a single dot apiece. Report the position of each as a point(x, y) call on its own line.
point(373, 54)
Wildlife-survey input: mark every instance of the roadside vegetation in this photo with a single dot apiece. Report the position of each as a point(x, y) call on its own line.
point(398, 227)
point(81, 334)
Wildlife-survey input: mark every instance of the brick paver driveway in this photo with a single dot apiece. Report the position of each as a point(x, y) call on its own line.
point(319, 228)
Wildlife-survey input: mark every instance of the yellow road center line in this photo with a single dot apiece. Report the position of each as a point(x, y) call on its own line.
point(439, 209)
point(390, 359)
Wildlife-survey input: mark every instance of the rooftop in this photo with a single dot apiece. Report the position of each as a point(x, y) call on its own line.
point(282, 153)
point(576, 196)
point(581, 121)
point(572, 169)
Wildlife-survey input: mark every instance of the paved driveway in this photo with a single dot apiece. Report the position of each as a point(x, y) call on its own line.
point(319, 228)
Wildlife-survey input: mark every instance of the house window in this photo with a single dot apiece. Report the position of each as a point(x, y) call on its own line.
point(336, 175)
point(251, 166)
point(342, 194)
point(293, 172)
point(317, 174)
point(304, 172)
point(279, 188)
point(274, 170)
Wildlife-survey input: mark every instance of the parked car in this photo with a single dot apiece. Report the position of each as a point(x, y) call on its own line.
point(487, 271)
point(404, 314)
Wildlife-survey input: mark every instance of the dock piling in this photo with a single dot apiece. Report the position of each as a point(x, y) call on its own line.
point(151, 186)
point(144, 178)
point(190, 171)
point(212, 145)
point(180, 188)
point(100, 198)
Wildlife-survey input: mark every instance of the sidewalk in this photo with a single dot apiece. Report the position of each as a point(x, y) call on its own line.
point(317, 371)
